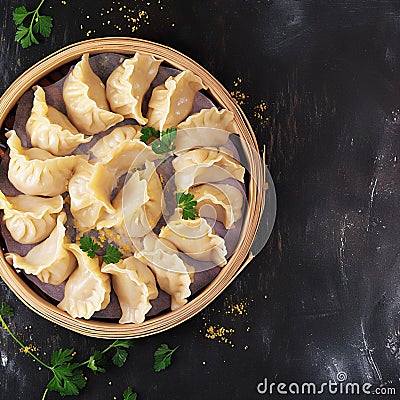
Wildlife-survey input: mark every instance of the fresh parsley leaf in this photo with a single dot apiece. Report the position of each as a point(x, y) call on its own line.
point(67, 380)
point(119, 358)
point(186, 202)
point(113, 255)
point(165, 142)
point(19, 14)
point(122, 343)
point(87, 244)
point(148, 133)
point(45, 23)
point(96, 362)
point(60, 357)
point(6, 310)
point(121, 354)
point(162, 357)
point(37, 24)
point(129, 394)
point(21, 32)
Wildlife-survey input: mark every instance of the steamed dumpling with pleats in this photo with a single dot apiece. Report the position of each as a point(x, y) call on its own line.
point(207, 128)
point(138, 203)
point(220, 201)
point(90, 191)
point(30, 219)
point(135, 286)
point(172, 274)
point(171, 102)
point(211, 118)
point(205, 165)
point(35, 171)
point(195, 238)
point(128, 83)
point(87, 289)
point(50, 260)
point(50, 130)
point(85, 99)
point(105, 146)
point(198, 137)
point(122, 150)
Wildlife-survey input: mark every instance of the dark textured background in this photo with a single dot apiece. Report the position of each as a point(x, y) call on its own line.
point(323, 295)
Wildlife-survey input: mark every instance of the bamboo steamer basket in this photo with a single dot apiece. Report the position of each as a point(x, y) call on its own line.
point(255, 188)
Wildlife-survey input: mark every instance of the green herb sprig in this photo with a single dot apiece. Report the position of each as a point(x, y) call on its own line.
point(162, 357)
point(88, 245)
point(148, 134)
point(39, 24)
point(164, 140)
point(68, 378)
point(186, 202)
point(113, 255)
point(129, 394)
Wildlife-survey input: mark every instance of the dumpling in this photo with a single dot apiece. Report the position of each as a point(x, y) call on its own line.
point(191, 138)
point(106, 145)
point(135, 286)
point(172, 102)
point(220, 201)
point(50, 260)
point(37, 172)
point(196, 239)
point(30, 219)
point(209, 127)
point(85, 99)
point(87, 289)
point(128, 83)
point(122, 150)
point(211, 118)
point(203, 166)
point(138, 203)
point(172, 275)
point(50, 130)
point(90, 191)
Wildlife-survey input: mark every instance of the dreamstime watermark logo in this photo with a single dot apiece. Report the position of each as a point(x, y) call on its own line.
point(338, 386)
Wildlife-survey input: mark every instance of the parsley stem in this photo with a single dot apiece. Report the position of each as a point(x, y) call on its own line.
point(35, 15)
point(106, 350)
point(109, 347)
point(21, 345)
point(45, 393)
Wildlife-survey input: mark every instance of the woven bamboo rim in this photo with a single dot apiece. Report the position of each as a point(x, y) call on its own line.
point(241, 256)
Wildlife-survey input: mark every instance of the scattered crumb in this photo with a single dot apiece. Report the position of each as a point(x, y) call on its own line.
point(135, 15)
point(260, 112)
point(237, 309)
point(238, 95)
point(220, 333)
point(29, 348)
